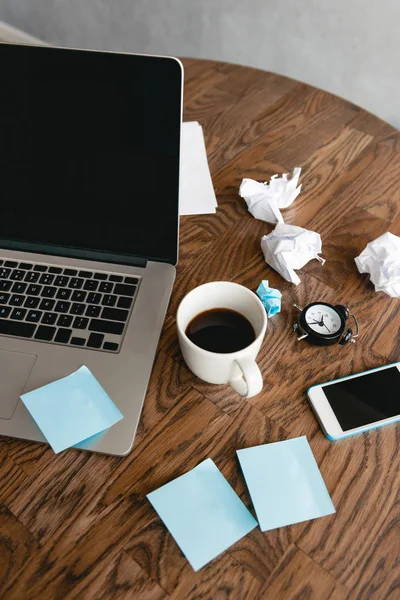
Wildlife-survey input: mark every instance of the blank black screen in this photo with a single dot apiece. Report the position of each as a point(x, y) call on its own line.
point(365, 399)
point(89, 150)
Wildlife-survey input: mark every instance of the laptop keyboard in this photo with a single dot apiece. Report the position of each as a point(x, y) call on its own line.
point(65, 306)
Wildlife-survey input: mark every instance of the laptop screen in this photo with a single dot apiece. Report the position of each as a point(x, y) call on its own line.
point(89, 152)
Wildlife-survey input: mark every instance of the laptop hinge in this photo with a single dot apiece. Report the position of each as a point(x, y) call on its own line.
point(84, 254)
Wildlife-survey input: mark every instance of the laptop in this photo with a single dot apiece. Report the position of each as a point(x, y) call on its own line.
point(89, 223)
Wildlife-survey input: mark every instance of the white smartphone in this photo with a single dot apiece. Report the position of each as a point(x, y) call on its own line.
point(358, 402)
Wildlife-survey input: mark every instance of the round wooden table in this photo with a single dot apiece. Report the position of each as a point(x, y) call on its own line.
point(78, 525)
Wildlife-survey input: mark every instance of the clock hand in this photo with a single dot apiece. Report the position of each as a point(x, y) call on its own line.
point(320, 323)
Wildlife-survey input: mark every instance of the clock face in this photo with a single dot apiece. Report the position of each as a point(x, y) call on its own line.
point(323, 319)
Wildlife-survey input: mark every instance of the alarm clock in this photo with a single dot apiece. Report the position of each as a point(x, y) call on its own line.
point(323, 324)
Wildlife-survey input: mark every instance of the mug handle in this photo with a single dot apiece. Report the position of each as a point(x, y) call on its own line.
point(250, 384)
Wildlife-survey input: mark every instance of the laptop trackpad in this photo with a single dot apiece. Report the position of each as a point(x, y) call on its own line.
point(15, 368)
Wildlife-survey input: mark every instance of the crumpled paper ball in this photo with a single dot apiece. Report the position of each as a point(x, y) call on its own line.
point(289, 247)
point(265, 199)
point(270, 298)
point(381, 259)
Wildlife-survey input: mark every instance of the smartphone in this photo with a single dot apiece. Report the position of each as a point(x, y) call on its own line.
point(358, 402)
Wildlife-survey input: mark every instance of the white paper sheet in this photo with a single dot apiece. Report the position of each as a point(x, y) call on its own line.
point(197, 194)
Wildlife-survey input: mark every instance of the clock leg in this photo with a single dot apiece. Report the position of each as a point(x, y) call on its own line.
point(302, 337)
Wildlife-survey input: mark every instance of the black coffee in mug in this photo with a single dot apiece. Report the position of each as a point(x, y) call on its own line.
point(220, 330)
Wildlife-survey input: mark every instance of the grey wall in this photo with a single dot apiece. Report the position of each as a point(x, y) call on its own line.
point(349, 47)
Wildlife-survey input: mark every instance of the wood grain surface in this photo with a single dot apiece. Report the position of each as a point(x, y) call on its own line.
point(78, 525)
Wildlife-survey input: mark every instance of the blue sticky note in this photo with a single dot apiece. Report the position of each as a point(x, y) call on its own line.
point(202, 512)
point(285, 483)
point(71, 409)
point(270, 297)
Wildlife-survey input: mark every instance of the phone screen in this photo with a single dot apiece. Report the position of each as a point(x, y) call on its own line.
point(366, 399)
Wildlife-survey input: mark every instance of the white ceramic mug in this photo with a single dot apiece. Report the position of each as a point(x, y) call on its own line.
point(239, 369)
